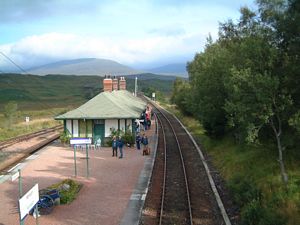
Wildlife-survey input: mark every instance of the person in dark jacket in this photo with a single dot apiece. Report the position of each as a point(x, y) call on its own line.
point(145, 141)
point(138, 141)
point(114, 146)
point(146, 150)
point(120, 145)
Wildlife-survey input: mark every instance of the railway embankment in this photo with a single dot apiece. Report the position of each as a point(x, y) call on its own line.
point(248, 178)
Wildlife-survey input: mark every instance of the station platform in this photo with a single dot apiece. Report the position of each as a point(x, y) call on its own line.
point(113, 194)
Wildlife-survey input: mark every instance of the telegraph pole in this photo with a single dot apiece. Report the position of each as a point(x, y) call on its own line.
point(135, 87)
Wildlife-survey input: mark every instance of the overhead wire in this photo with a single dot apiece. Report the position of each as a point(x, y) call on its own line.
point(26, 73)
point(9, 59)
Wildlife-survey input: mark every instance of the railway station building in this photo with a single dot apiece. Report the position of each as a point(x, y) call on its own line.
point(113, 109)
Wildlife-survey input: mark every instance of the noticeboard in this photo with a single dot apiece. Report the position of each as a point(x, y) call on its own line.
point(80, 141)
point(28, 201)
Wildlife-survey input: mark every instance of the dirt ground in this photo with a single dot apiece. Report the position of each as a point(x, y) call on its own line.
point(103, 198)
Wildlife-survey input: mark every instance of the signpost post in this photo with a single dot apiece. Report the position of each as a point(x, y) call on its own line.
point(81, 141)
point(13, 178)
point(87, 162)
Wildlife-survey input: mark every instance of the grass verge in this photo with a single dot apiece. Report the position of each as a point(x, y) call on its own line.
point(39, 120)
point(252, 175)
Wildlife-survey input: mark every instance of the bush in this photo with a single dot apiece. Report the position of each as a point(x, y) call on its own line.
point(252, 213)
point(128, 138)
point(67, 196)
point(64, 137)
point(255, 214)
point(243, 190)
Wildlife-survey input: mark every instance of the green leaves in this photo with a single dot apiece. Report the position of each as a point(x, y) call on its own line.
point(10, 112)
point(253, 100)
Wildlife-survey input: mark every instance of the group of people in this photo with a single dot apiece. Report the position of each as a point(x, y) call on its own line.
point(144, 123)
point(117, 143)
point(141, 141)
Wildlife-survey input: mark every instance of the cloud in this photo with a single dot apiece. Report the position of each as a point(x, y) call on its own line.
point(16, 11)
point(168, 31)
point(39, 49)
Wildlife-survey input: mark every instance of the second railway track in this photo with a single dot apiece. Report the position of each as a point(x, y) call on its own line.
point(182, 200)
point(5, 144)
point(14, 150)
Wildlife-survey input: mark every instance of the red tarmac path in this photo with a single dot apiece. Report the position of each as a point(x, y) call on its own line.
point(103, 198)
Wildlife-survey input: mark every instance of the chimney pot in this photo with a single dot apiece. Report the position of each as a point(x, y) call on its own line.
point(122, 83)
point(107, 84)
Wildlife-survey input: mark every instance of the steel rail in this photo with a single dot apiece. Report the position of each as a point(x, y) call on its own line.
point(12, 141)
point(183, 168)
point(165, 171)
point(207, 170)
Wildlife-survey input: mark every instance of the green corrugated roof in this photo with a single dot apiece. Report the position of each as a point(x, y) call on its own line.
point(108, 105)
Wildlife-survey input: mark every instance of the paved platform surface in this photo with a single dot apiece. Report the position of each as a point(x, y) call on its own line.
point(113, 194)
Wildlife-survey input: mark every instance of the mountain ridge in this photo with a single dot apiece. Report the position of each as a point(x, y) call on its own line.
point(178, 69)
point(83, 66)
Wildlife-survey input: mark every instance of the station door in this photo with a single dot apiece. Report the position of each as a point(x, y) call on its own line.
point(99, 132)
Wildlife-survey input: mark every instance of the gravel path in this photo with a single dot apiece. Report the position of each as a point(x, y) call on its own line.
point(103, 198)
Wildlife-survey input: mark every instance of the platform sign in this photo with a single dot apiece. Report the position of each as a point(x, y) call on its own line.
point(80, 141)
point(28, 201)
point(15, 176)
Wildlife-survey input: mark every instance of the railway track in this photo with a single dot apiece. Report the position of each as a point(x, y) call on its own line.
point(186, 194)
point(174, 209)
point(12, 151)
point(5, 144)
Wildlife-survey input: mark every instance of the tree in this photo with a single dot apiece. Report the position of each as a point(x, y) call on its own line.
point(294, 121)
point(256, 100)
point(181, 96)
point(207, 72)
point(10, 112)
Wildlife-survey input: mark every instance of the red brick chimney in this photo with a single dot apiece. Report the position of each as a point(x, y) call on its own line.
point(122, 83)
point(107, 83)
point(115, 84)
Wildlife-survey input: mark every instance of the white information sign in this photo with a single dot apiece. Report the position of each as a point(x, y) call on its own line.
point(29, 200)
point(27, 119)
point(153, 95)
point(80, 141)
point(15, 176)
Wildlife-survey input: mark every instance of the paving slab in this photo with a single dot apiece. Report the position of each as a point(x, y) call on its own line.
point(137, 199)
point(105, 196)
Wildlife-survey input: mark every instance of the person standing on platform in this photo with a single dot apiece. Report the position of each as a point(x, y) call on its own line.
point(114, 146)
point(142, 141)
point(137, 125)
point(143, 118)
point(120, 145)
point(145, 142)
point(138, 141)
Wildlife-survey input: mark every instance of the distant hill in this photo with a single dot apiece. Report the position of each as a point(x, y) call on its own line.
point(84, 66)
point(35, 92)
point(152, 76)
point(178, 69)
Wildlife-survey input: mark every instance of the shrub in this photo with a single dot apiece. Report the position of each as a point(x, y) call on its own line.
point(67, 196)
point(252, 213)
point(256, 214)
point(128, 138)
point(243, 190)
point(64, 137)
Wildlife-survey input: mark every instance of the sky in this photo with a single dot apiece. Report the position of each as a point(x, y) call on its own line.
point(143, 33)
